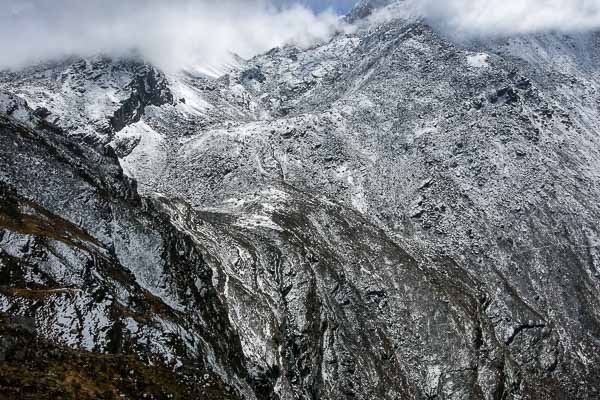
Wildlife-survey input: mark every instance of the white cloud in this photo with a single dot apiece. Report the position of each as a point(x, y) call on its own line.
point(171, 34)
point(501, 17)
point(181, 33)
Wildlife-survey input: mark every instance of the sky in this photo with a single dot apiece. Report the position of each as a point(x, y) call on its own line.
point(174, 34)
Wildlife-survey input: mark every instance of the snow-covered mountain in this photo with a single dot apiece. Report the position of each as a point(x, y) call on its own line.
point(386, 215)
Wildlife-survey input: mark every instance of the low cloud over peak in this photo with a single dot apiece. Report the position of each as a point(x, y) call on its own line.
point(502, 17)
point(171, 34)
point(183, 33)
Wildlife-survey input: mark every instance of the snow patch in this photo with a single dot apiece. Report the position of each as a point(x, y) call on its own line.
point(215, 70)
point(148, 158)
point(258, 221)
point(193, 103)
point(478, 60)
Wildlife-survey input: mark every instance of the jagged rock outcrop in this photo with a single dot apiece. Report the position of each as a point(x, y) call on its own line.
point(390, 214)
point(365, 8)
point(91, 99)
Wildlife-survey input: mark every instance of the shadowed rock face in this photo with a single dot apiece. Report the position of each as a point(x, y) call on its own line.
point(148, 87)
point(386, 215)
point(35, 368)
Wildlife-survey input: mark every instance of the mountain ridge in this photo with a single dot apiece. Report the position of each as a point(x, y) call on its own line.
point(388, 214)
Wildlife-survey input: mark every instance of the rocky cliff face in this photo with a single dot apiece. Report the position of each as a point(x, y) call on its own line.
point(389, 214)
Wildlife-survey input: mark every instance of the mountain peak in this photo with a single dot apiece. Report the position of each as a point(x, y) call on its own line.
point(364, 8)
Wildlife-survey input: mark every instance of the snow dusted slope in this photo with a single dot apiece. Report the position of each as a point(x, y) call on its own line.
point(389, 214)
point(90, 99)
point(97, 268)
